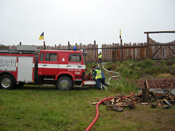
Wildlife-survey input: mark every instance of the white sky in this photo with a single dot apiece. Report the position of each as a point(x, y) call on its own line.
point(85, 21)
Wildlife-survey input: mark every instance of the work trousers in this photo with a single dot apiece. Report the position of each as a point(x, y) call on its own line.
point(103, 81)
point(98, 81)
point(99, 61)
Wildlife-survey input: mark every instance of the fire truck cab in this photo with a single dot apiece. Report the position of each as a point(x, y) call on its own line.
point(46, 67)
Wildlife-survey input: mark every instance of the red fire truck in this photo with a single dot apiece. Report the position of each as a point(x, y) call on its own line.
point(46, 67)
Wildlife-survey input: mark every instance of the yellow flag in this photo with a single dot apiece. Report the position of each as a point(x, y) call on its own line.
point(41, 36)
point(120, 34)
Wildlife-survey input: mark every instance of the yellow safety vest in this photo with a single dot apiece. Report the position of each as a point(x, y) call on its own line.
point(92, 71)
point(100, 56)
point(98, 74)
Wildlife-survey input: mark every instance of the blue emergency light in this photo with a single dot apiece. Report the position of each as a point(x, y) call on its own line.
point(74, 48)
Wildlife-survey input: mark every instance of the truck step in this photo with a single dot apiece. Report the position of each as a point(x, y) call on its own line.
point(49, 79)
point(48, 85)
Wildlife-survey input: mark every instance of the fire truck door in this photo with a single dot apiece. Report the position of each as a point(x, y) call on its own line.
point(75, 64)
point(50, 65)
point(25, 69)
point(63, 61)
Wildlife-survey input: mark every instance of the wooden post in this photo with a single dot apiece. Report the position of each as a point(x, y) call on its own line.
point(97, 53)
point(148, 54)
point(108, 53)
point(44, 46)
point(102, 51)
point(145, 92)
point(134, 51)
point(113, 52)
point(145, 95)
point(68, 45)
point(95, 50)
point(121, 54)
point(81, 46)
point(55, 47)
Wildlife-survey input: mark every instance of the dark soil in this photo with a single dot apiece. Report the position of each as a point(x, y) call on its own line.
point(161, 83)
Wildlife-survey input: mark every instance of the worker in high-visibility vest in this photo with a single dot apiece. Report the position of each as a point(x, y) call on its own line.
point(97, 76)
point(103, 80)
point(99, 57)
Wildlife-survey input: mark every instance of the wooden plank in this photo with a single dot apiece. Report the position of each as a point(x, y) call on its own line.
point(113, 52)
point(121, 55)
point(110, 52)
point(150, 32)
point(97, 53)
point(134, 52)
point(102, 53)
point(145, 53)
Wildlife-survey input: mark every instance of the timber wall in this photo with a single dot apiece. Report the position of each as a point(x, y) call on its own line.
point(117, 51)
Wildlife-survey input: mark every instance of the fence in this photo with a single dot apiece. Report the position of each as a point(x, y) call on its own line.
point(140, 51)
point(116, 51)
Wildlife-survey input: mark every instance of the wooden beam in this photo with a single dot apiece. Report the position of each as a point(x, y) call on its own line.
point(121, 55)
point(159, 32)
point(148, 51)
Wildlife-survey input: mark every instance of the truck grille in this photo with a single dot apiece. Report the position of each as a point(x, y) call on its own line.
point(83, 74)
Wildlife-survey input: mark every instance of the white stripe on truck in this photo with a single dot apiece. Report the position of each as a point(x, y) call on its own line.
point(62, 66)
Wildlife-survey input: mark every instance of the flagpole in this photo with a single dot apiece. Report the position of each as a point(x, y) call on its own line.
point(121, 54)
point(44, 42)
point(44, 46)
point(42, 38)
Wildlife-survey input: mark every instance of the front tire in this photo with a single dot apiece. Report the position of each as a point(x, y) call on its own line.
point(7, 82)
point(64, 83)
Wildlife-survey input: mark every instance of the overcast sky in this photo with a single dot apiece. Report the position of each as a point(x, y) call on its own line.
point(83, 21)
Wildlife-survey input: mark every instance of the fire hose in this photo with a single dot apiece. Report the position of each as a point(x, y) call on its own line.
point(117, 74)
point(97, 112)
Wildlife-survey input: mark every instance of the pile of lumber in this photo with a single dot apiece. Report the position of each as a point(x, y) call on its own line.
point(161, 100)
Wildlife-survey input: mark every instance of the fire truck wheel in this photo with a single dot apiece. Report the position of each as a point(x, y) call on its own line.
point(7, 82)
point(64, 83)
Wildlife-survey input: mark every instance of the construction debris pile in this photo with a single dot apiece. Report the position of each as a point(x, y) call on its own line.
point(161, 100)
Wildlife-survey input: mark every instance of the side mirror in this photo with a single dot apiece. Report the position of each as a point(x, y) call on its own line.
point(84, 53)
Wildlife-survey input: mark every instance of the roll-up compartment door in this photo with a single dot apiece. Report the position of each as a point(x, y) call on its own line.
point(25, 69)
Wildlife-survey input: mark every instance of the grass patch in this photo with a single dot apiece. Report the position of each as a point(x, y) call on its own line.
point(132, 69)
point(164, 75)
point(40, 108)
point(123, 86)
point(43, 109)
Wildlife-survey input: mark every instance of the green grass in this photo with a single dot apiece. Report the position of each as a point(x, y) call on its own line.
point(49, 109)
point(132, 69)
point(122, 86)
point(39, 108)
point(42, 109)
